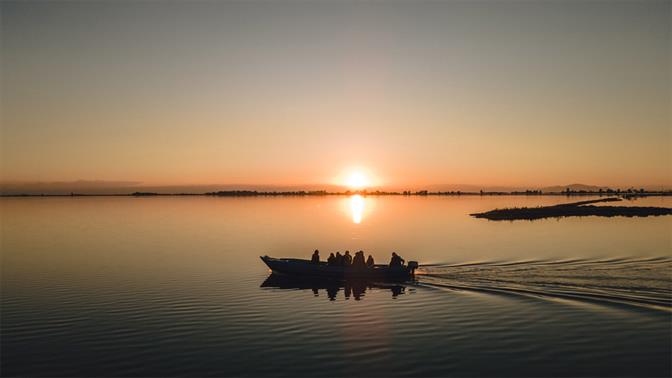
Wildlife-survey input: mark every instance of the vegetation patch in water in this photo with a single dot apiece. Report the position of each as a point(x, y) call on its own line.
point(574, 209)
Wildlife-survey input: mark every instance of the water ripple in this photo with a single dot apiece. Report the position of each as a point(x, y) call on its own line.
point(643, 282)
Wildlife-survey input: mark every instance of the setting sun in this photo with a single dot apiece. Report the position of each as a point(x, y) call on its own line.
point(358, 180)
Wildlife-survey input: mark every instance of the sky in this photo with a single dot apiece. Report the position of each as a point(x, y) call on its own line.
point(521, 93)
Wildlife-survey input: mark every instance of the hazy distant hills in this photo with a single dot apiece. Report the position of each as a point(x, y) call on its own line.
point(127, 187)
point(545, 189)
point(548, 189)
point(67, 187)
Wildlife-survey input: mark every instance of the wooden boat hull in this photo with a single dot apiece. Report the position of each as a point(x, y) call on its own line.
point(304, 268)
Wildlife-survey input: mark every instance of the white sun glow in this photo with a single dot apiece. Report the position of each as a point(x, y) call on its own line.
point(357, 180)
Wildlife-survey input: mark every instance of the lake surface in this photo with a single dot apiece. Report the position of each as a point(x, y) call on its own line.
point(172, 286)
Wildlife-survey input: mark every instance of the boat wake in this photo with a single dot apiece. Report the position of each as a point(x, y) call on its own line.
point(640, 282)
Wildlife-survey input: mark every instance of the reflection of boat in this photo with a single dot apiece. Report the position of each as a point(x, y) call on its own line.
point(354, 287)
point(304, 268)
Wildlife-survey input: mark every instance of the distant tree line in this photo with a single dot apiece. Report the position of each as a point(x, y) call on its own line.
point(251, 193)
point(627, 193)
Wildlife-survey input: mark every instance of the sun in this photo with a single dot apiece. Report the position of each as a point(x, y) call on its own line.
point(357, 180)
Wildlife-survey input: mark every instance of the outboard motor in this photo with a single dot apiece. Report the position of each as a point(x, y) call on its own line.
point(412, 266)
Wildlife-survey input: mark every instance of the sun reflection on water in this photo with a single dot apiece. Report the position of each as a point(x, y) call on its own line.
point(357, 208)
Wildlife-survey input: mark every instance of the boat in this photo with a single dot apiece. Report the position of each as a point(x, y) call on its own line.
point(305, 268)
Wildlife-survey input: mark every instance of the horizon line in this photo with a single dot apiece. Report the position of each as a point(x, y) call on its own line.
point(251, 193)
point(308, 186)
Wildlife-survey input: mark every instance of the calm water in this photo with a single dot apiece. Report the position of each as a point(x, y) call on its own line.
point(172, 286)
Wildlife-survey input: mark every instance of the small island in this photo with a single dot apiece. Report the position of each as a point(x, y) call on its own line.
point(574, 209)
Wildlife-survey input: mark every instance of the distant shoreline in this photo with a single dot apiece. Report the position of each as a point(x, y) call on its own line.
point(423, 193)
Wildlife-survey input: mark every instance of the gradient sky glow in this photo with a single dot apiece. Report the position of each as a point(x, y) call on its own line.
point(286, 93)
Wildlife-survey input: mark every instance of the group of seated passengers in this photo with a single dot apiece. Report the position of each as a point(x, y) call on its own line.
point(357, 261)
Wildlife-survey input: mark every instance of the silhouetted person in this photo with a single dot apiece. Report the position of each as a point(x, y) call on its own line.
point(339, 259)
point(369, 262)
point(316, 257)
point(396, 260)
point(347, 259)
point(358, 262)
point(331, 260)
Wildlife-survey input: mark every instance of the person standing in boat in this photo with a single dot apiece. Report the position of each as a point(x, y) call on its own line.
point(369, 262)
point(358, 261)
point(339, 259)
point(316, 257)
point(396, 260)
point(331, 260)
point(347, 259)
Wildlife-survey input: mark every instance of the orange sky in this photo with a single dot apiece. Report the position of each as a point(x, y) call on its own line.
point(487, 93)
